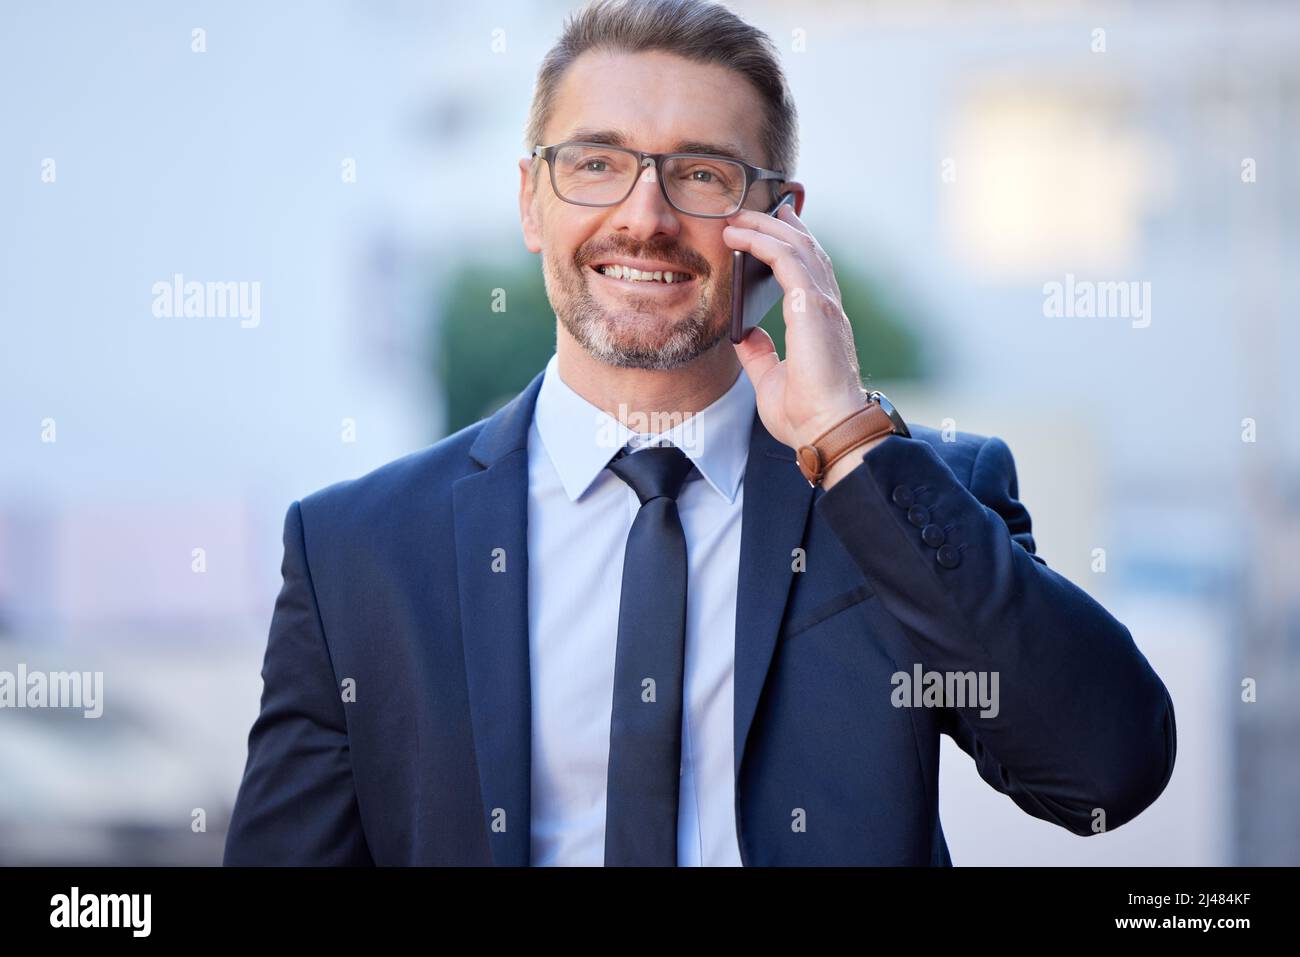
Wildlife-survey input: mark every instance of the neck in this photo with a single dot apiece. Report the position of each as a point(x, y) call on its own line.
point(641, 395)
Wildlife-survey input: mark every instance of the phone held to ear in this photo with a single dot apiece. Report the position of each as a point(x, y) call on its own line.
point(754, 290)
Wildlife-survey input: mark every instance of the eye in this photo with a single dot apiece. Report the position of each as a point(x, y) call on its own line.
point(714, 175)
point(701, 173)
point(592, 163)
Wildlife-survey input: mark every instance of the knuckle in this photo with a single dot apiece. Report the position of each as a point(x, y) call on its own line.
point(828, 305)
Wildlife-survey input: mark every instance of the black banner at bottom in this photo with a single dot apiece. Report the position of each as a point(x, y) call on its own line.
point(304, 905)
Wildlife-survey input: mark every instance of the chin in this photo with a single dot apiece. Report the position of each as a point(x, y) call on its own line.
point(685, 342)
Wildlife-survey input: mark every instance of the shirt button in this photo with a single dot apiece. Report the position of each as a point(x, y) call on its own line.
point(932, 535)
point(948, 556)
point(902, 496)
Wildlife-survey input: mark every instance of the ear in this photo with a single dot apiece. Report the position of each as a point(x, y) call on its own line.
point(532, 229)
point(799, 195)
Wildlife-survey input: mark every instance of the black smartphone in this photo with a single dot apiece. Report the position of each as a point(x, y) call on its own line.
point(754, 290)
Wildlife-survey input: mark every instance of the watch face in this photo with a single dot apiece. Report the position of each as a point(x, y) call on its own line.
point(888, 407)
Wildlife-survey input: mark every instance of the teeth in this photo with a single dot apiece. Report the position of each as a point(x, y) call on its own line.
point(636, 275)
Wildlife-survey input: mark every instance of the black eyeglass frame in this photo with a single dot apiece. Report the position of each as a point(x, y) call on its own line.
point(753, 174)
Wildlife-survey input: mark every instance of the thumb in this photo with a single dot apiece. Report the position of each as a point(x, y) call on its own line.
point(757, 353)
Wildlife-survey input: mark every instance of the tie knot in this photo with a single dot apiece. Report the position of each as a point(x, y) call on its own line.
point(654, 472)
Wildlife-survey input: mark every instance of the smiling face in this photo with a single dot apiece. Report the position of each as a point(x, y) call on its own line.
point(660, 102)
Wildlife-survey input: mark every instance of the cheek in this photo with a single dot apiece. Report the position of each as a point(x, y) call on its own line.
point(716, 253)
point(553, 223)
point(569, 235)
point(721, 266)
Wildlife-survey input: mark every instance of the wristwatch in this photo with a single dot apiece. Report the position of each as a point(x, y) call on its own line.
point(878, 417)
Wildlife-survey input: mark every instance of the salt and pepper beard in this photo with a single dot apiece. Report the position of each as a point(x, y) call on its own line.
point(603, 337)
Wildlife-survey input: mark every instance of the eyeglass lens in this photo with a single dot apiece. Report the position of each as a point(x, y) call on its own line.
point(695, 184)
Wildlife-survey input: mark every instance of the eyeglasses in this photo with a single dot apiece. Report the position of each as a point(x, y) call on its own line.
point(697, 184)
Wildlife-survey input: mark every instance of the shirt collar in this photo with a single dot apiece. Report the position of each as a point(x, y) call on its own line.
point(581, 439)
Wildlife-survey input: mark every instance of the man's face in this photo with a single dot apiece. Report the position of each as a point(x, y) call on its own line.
point(659, 101)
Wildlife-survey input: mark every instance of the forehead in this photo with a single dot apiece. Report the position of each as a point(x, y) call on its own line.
point(660, 101)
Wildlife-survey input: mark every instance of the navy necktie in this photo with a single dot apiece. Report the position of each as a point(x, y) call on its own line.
point(645, 735)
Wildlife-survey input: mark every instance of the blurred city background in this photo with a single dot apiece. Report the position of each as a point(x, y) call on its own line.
point(358, 160)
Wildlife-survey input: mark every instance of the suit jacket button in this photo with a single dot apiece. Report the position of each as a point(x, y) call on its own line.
point(918, 515)
point(948, 556)
point(932, 535)
point(902, 496)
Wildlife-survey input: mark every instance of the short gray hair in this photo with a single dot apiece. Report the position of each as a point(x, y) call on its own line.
point(700, 30)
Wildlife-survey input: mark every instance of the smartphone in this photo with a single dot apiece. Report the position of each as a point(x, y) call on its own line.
point(754, 290)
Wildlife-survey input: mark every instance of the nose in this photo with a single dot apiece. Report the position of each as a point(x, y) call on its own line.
point(645, 212)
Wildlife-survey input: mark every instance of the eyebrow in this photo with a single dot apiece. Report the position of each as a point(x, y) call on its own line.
point(619, 138)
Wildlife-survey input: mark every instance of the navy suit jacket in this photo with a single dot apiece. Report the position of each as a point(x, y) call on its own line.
point(395, 715)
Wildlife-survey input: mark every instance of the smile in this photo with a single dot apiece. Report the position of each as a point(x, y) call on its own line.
point(628, 278)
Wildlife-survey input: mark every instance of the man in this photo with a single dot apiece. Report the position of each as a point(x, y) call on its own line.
point(621, 621)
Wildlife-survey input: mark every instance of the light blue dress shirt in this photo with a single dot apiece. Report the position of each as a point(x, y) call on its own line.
point(579, 516)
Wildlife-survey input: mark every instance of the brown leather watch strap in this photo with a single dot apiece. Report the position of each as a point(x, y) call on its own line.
point(856, 428)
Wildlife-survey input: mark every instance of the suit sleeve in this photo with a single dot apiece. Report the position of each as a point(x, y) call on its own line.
point(1083, 724)
point(297, 804)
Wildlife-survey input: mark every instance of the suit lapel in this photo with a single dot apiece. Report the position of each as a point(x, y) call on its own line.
point(491, 521)
point(774, 514)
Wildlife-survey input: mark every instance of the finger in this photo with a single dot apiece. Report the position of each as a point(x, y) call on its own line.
point(790, 269)
point(762, 222)
point(821, 262)
point(806, 243)
point(793, 219)
point(799, 239)
point(757, 353)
